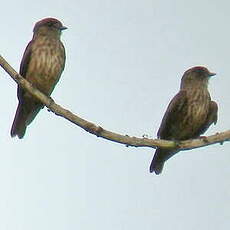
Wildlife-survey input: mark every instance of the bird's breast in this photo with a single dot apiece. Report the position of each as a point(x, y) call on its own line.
point(196, 112)
point(46, 65)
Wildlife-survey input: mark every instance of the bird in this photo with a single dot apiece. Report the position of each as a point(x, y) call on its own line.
point(188, 115)
point(42, 64)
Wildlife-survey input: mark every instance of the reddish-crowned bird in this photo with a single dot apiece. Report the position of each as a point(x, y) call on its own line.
point(42, 64)
point(189, 114)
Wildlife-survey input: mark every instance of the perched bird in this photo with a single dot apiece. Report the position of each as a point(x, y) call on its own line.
point(189, 114)
point(42, 64)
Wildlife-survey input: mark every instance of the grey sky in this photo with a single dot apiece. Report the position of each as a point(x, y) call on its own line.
point(125, 60)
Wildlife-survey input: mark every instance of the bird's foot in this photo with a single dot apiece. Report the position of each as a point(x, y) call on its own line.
point(51, 101)
point(177, 143)
point(204, 139)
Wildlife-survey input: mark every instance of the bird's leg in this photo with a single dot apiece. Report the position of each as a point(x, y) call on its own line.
point(204, 139)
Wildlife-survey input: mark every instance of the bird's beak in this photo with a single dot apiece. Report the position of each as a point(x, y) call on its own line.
point(211, 74)
point(63, 28)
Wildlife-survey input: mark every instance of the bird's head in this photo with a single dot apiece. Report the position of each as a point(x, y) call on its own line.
point(49, 26)
point(196, 76)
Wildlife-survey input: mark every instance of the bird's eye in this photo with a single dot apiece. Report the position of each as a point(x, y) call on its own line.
point(50, 24)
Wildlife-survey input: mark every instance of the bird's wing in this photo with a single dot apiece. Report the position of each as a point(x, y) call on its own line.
point(213, 112)
point(24, 66)
point(175, 108)
point(211, 118)
point(25, 60)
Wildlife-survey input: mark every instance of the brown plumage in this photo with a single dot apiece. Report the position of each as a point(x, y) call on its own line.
point(189, 114)
point(42, 64)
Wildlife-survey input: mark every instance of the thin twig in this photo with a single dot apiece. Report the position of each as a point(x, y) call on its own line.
point(101, 132)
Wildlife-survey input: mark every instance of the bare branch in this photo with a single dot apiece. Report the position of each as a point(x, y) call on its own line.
point(101, 132)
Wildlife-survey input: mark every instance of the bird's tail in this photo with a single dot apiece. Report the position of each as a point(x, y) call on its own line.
point(160, 156)
point(25, 114)
point(19, 124)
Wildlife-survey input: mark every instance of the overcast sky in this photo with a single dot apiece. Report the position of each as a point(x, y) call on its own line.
point(125, 59)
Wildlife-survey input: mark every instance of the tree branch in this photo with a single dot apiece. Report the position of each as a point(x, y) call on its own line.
point(101, 132)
